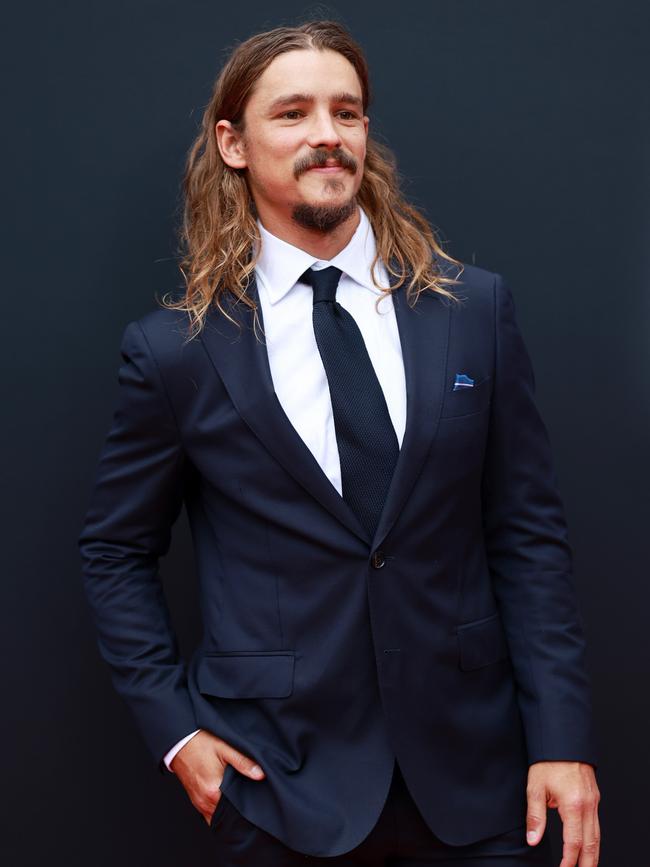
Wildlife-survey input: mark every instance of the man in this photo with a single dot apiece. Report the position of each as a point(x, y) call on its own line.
point(392, 664)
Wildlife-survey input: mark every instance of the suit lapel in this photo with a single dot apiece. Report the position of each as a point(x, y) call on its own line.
point(424, 338)
point(241, 361)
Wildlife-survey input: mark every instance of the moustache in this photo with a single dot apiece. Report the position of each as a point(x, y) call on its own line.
point(319, 158)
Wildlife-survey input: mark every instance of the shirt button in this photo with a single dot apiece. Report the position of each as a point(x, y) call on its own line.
point(378, 559)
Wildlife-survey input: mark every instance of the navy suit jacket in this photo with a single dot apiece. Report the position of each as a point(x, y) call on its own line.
point(452, 640)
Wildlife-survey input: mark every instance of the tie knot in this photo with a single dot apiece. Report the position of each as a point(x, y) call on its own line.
point(323, 282)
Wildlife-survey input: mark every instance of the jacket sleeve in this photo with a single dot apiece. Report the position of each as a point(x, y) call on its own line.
point(530, 560)
point(137, 497)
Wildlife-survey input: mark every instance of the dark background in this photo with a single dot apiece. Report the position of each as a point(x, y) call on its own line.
point(521, 128)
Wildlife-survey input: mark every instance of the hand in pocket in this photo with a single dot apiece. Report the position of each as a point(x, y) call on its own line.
point(200, 766)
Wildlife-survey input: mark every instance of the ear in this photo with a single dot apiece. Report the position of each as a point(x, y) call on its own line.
point(230, 144)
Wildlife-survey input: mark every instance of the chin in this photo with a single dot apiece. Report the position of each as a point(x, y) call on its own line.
point(324, 215)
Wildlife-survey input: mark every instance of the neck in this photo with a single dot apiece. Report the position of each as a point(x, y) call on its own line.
point(323, 245)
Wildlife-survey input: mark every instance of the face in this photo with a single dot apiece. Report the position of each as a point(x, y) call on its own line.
point(304, 140)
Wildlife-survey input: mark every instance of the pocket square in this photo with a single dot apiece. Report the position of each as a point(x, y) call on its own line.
point(463, 381)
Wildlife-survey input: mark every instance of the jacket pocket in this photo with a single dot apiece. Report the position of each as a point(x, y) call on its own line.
point(465, 401)
point(246, 674)
point(218, 812)
point(481, 642)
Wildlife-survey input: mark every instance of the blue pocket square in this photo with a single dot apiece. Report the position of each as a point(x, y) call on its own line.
point(463, 381)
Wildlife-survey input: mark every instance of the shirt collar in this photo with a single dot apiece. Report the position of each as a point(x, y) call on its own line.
point(281, 264)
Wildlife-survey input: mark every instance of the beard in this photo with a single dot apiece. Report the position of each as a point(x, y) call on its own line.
point(323, 218)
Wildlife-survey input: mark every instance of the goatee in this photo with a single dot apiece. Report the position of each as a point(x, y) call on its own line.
point(323, 218)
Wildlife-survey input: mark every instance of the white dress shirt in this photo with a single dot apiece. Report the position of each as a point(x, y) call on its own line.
point(297, 371)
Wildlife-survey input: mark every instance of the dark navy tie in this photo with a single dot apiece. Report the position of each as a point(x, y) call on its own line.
point(366, 439)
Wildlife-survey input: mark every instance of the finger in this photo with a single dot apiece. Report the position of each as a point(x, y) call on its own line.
point(571, 815)
point(590, 852)
point(597, 827)
point(208, 816)
point(535, 816)
point(210, 803)
point(208, 800)
point(242, 763)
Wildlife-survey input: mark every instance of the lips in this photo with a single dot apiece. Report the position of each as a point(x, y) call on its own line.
point(326, 164)
point(329, 166)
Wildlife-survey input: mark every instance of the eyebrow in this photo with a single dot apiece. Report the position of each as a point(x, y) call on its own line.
point(348, 98)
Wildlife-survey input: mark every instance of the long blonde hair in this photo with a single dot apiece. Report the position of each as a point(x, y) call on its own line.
point(219, 233)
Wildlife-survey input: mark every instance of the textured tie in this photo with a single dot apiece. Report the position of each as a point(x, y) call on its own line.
point(366, 439)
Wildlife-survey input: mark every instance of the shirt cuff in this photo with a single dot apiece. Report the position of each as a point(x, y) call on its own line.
point(170, 755)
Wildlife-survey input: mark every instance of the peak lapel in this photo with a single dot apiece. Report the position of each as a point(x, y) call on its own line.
point(424, 338)
point(241, 361)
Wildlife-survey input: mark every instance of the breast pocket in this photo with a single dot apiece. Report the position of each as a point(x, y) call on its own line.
point(468, 399)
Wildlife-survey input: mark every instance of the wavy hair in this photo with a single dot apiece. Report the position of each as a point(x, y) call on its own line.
point(219, 234)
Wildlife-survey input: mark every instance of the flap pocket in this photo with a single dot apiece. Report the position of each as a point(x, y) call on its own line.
point(481, 642)
point(467, 400)
point(246, 674)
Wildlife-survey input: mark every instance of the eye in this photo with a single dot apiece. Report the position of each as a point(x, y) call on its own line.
point(351, 114)
point(293, 111)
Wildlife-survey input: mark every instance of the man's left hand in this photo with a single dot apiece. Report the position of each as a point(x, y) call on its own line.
point(572, 788)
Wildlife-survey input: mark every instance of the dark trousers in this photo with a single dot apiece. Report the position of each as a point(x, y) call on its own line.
point(400, 838)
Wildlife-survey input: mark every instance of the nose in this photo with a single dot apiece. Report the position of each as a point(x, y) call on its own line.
point(323, 132)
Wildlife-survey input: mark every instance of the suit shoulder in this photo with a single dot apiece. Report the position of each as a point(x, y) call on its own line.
point(474, 287)
point(167, 334)
point(472, 278)
point(161, 323)
point(165, 329)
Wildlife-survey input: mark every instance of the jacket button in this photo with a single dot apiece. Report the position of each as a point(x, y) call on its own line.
point(378, 559)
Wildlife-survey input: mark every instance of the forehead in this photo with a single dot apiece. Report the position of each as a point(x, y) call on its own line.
point(321, 73)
